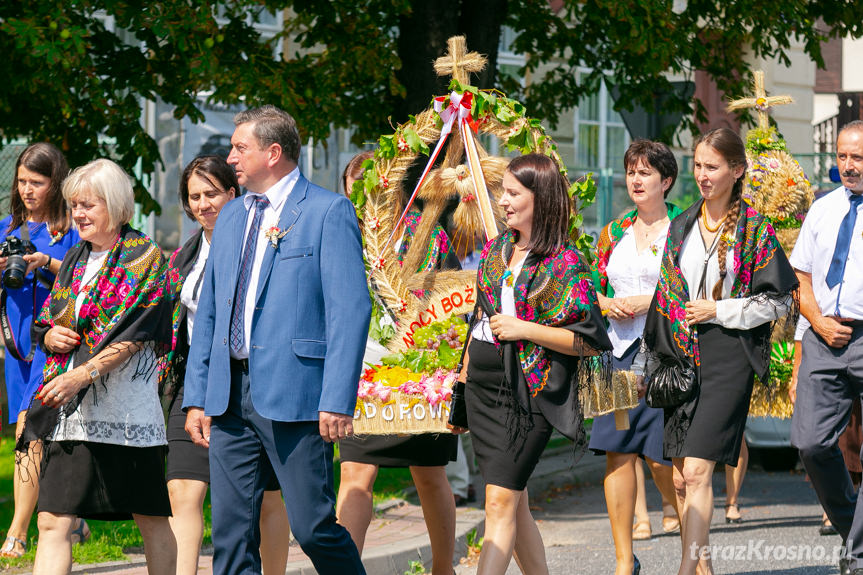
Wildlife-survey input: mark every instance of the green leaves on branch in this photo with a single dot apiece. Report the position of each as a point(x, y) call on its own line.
point(582, 192)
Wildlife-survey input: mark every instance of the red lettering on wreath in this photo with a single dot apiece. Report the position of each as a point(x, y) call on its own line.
point(460, 300)
point(469, 298)
point(447, 305)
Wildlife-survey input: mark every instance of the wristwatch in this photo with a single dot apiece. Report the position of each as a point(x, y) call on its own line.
point(93, 371)
point(47, 266)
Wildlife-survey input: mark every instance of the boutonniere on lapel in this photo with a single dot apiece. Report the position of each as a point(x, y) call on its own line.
point(274, 234)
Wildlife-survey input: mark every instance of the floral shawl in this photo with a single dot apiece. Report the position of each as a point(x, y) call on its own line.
point(556, 291)
point(760, 268)
point(126, 302)
point(761, 271)
point(438, 248)
point(173, 365)
point(609, 237)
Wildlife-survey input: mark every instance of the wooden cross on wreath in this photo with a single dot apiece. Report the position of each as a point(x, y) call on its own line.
point(761, 101)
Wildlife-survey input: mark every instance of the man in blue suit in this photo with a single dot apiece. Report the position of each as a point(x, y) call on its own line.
point(275, 359)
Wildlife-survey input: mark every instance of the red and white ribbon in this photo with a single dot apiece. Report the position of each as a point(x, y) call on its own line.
point(458, 109)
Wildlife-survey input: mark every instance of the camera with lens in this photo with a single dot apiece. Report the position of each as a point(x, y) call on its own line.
point(16, 268)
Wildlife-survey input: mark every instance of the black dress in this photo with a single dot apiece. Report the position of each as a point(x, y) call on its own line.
point(710, 425)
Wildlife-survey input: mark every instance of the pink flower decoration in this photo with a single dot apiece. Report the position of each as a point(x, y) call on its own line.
point(123, 290)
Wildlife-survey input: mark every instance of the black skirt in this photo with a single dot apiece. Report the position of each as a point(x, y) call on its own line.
point(185, 459)
point(725, 389)
point(486, 398)
point(103, 481)
point(424, 450)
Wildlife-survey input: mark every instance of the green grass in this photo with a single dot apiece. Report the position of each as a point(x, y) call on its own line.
point(109, 539)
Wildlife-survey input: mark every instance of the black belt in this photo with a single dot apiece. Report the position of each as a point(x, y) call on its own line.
point(242, 364)
point(854, 323)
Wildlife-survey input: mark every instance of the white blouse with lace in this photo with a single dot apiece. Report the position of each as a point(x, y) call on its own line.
point(125, 410)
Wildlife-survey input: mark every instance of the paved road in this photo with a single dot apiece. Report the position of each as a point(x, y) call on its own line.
point(779, 534)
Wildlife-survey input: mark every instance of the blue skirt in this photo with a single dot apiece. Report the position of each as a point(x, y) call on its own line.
point(646, 425)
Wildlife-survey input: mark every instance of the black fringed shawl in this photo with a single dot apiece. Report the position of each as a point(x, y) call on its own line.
point(762, 271)
point(556, 291)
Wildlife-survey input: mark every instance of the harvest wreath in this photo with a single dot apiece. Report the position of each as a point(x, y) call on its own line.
point(418, 314)
point(776, 186)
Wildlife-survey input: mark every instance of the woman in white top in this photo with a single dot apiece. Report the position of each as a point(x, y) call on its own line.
point(724, 279)
point(208, 183)
point(625, 270)
point(104, 327)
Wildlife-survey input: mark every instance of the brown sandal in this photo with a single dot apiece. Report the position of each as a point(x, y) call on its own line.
point(641, 531)
point(670, 524)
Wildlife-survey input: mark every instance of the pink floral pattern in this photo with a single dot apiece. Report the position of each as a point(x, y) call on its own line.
point(556, 290)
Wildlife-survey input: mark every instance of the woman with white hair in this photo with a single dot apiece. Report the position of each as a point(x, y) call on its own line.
point(105, 326)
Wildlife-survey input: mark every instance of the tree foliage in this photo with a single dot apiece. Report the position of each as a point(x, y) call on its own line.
point(73, 79)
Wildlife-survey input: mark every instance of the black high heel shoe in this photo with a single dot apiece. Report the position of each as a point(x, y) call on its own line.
point(636, 565)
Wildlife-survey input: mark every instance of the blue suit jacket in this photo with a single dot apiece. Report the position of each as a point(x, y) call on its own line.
point(311, 315)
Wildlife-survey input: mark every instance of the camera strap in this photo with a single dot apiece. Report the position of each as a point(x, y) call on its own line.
point(6, 328)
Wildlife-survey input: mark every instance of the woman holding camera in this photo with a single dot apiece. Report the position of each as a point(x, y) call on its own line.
point(104, 328)
point(34, 238)
point(208, 183)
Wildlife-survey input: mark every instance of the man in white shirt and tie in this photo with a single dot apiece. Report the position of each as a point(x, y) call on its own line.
point(828, 259)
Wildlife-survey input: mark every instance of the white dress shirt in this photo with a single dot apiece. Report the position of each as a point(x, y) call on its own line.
point(277, 196)
point(191, 286)
point(632, 274)
point(813, 253)
point(732, 313)
point(802, 325)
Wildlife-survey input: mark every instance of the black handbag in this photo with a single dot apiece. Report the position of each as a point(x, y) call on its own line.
point(671, 384)
point(458, 407)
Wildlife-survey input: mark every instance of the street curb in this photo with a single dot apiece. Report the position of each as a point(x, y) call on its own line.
point(135, 560)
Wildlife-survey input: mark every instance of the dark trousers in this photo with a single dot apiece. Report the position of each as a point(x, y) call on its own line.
point(828, 382)
point(241, 443)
